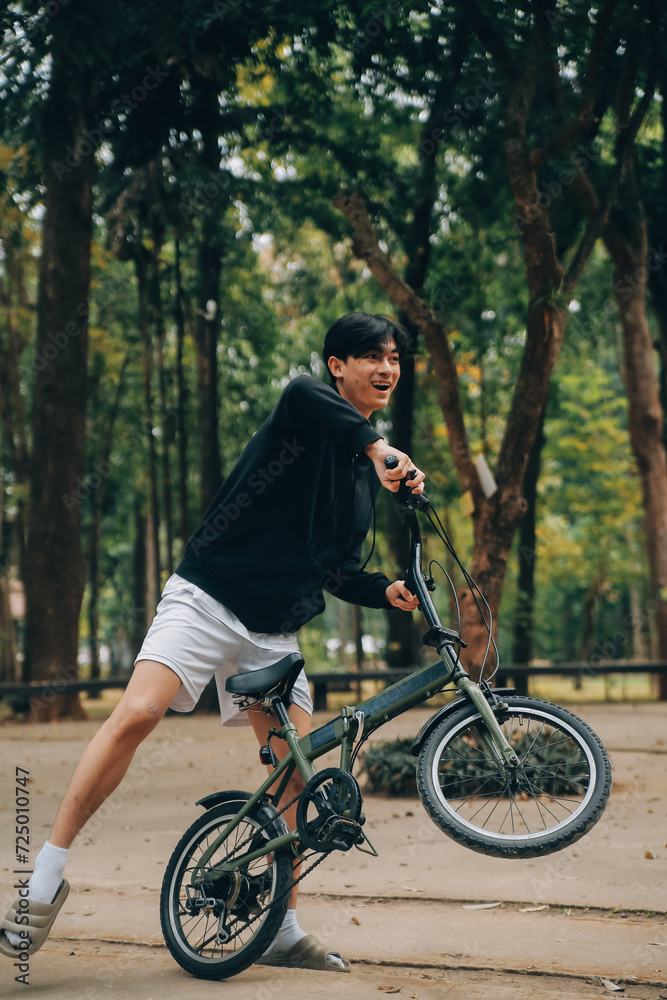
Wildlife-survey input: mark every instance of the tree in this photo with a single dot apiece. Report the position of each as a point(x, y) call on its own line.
point(524, 63)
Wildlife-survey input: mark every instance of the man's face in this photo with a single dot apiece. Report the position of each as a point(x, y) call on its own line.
point(367, 382)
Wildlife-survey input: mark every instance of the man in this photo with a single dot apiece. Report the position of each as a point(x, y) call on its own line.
point(286, 525)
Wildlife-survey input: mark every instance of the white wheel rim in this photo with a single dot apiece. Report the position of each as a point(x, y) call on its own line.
point(514, 837)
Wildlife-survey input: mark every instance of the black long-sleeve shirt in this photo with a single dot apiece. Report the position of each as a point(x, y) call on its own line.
point(289, 520)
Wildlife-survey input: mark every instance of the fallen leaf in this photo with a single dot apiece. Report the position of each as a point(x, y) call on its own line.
point(613, 987)
point(480, 906)
point(390, 989)
point(353, 920)
point(533, 909)
point(411, 888)
point(648, 856)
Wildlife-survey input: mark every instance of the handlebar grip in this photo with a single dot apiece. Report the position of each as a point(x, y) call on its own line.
point(416, 500)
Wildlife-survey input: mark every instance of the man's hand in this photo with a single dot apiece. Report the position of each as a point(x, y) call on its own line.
point(399, 596)
point(378, 451)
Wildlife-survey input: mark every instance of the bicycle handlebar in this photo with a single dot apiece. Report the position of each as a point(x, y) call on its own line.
point(415, 580)
point(413, 501)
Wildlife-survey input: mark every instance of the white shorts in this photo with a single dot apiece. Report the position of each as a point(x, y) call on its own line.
point(199, 638)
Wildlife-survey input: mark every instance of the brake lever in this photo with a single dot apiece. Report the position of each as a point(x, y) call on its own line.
point(413, 501)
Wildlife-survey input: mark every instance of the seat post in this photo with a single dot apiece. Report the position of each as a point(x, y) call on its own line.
point(281, 712)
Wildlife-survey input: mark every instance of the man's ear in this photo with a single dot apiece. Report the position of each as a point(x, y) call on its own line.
point(335, 367)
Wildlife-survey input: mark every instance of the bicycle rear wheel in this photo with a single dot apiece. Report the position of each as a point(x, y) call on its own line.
point(216, 927)
point(555, 795)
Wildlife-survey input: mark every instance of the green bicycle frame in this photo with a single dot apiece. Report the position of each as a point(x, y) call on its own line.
point(353, 720)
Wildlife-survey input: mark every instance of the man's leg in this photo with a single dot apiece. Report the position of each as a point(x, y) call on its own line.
point(149, 693)
point(150, 690)
point(290, 934)
point(261, 723)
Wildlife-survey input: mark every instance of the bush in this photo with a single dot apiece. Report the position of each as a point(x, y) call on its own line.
point(390, 768)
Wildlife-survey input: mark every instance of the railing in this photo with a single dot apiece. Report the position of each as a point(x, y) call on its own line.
point(343, 680)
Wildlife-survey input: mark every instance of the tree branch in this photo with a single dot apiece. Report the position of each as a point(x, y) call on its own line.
point(488, 32)
point(366, 247)
point(598, 209)
point(581, 121)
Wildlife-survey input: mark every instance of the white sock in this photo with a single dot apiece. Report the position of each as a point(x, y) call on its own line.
point(287, 936)
point(44, 882)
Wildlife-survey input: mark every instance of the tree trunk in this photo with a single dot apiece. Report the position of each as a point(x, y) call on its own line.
point(357, 636)
point(8, 644)
point(95, 533)
point(523, 620)
point(54, 572)
point(181, 429)
point(628, 245)
point(14, 296)
point(494, 518)
point(139, 575)
point(208, 320)
point(165, 422)
point(147, 370)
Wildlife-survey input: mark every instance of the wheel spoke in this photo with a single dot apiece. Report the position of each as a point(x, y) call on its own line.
point(484, 801)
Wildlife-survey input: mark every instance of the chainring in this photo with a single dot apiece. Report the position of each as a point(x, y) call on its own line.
point(329, 811)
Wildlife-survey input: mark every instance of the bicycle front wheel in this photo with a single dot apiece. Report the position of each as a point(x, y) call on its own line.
point(551, 799)
point(216, 926)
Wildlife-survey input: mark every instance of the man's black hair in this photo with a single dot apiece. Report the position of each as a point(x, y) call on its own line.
point(356, 333)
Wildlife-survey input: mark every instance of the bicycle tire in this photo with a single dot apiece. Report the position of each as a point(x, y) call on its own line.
point(556, 795)
point(189, 927)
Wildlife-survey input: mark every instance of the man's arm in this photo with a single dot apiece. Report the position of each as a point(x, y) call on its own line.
point(307, 400)
point(377, 451)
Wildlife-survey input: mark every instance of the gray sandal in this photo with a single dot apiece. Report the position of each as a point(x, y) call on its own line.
point(308, 953)
point(40, 921)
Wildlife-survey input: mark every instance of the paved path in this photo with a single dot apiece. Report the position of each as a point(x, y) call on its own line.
point(604, 901)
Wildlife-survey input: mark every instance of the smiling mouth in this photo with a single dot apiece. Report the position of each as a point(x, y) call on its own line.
point(382, 386)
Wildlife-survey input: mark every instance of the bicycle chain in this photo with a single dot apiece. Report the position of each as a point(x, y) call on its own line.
point(278, 898)
point(294, 881)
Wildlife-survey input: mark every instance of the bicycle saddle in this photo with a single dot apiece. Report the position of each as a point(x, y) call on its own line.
point(259, 682)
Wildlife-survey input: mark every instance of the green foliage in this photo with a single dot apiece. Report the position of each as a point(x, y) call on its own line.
point(544, 767)
point(390, 768)
point(313, 99)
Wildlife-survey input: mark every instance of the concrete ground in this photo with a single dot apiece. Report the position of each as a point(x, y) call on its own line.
point(560, 927)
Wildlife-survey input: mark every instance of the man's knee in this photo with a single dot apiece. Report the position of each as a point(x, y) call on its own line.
point(135, 718)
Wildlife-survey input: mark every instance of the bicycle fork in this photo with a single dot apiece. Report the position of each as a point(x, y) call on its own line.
point(493, 736)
